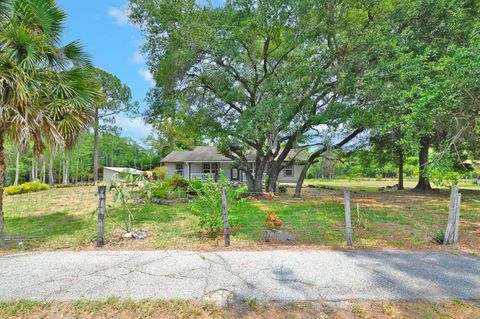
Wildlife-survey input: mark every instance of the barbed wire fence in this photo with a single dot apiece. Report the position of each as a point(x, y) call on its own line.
point(31, 226)
point(376, 219)
point(380, 218)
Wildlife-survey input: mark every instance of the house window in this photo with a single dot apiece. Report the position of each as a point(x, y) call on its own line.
point(179, 169)
point(252, 167)
point(289, 171)
point(235, 174)
point(210, 169)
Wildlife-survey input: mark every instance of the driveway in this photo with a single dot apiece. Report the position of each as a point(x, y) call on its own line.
point(277, 275)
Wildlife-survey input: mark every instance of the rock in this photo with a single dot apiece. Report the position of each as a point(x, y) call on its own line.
point(160, 201)
point(220, 297)
point(139, 234)
point(272, 235)
point(139, 201)
point(136, 234)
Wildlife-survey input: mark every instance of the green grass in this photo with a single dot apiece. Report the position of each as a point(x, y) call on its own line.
point(115, 308)
point(373, 185)
point(65, 218)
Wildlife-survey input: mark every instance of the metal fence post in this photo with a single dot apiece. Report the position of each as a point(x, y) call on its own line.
point(226, 228)
point(348, 217)
point(101, 214)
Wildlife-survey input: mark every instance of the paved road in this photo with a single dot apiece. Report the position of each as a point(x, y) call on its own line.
point(278, 275)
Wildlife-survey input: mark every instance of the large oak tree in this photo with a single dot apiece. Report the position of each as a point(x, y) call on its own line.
point(257, 75)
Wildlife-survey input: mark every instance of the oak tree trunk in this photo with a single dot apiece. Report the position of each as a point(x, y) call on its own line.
point(258, 179)
point(423, 182)
point(273, 178)
point(301, 178)
point(400, 169)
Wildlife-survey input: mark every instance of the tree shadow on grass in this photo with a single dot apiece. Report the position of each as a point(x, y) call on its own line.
point(34, 229)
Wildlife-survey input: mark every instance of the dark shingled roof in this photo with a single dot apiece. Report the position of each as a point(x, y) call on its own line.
point(210, 154)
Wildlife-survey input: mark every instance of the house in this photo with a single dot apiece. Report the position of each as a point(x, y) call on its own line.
point(116, 173)
point(206, 161)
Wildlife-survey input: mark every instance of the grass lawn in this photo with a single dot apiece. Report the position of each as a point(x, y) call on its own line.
point(65, 218)
point(373, 185)
point(114, 308)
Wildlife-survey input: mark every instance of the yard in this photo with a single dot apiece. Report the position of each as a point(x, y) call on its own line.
point(65, 218)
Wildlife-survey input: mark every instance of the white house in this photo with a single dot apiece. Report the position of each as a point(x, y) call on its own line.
point(115, 173)
point(206, 161)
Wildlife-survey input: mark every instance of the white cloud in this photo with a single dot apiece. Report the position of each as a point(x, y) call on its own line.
point(120, 15)
point(138, 58)
point(135, 128)
point(147, 76)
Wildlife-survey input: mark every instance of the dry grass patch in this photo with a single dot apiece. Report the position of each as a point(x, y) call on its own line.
point(114, 308)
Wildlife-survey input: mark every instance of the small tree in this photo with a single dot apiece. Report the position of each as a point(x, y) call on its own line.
point(208, 205)
point(123, 193)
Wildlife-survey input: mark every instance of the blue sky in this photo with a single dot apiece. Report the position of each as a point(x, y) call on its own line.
point(114, 44)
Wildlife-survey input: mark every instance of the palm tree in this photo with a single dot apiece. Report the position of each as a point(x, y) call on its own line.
point(45, 93)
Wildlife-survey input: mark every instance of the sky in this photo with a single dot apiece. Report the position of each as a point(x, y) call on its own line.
point(114, 45)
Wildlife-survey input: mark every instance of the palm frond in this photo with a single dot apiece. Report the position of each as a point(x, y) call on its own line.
point(46, 94)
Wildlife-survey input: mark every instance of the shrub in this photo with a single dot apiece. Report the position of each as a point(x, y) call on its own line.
point(26, 188)
point(196, 186)
point(272, 221)
point(160, 172)
point(160, 190)
point(208, 205)
point(282, 189)
point(438, 237)
point(124, 192)
point(177, 182)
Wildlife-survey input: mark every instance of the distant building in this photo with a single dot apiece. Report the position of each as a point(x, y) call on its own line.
point(117, 173)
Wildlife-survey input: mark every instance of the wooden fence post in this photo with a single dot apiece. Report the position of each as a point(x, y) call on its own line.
point(102, 190)
point(226, 228)
point(451, 215)
point(457, 218)
point(348, 217)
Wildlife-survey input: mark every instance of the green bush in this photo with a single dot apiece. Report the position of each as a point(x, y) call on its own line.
point(438, 237)
point(26, 188)
point(282, 189)
point(160, 172)
point(208, 205)
point(196, 186)
point(177, 182)
point(160, 190)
